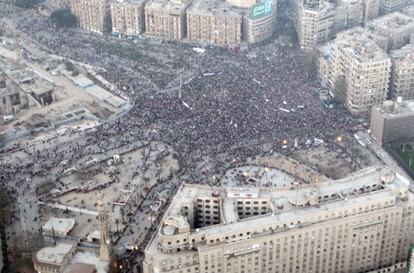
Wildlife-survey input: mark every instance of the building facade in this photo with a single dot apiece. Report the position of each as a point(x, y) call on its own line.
point(356, 70)
point(214, 22)
point(21, 88)
point(313, 21)
point(166, 19)
point(402, 75)
point(259, 26)
point(348, 13)
point(54, 259)
point(371, 9)
point(393, 121)
point(397, 27)
point(128, 18)
point(388, 6)
point(91, 14)
point(362, 223)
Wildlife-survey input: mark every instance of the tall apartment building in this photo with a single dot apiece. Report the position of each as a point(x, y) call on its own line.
point(411, 261)
point(128, 17)
point(362, 223)
point(397, 27)
point(402, 72)
point(348, 13)
point(356, 70)
point(388, 6)
point(313, 21)
point(166, 19)
point(91, 14)
point(259, 21)
point(214, 22)
point(393, 121)
point(371, 9)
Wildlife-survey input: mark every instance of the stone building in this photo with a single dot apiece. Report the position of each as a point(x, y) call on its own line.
point(91, 14)
point(128, 17)
point(402, 72)
point(313, 21)
point(361, 223)
point(166, 19)
point(356, 70)
point(259, 22)
point(397, 27)
point(214, 22)
point(392, 121)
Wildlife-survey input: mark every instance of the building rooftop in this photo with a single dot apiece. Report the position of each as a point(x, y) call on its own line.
point(404, 55)
point(81, 268)
point(54, 255)
point(392, 22)
point(128, 2)
point(169, 6)
point(90, 259)
point(59, 225)
point(399, 108)
point(288, 207)
point(317, 6)
point(357, 43)
point(214, 8)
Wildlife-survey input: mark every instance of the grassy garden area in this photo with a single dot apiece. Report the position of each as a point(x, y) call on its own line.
point(405, 153)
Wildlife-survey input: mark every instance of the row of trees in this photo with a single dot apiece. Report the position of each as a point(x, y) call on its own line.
point(63, 18)
point(26, 3)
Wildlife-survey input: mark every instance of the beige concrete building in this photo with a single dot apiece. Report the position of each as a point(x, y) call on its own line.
point(214, 22)
point(313, 21)
point(388, 6)
point(371, 9)
point(362, 223)
point(166, 19)
point(393, 121)
point(91, 14)
point(402, 73)
point(128, 17)
point(54, 259)
point(411, 266)
point(397, 27)
point(356, 70)
point(21, 88)
point(259, 22)
point(348, 13)
point(59, 227)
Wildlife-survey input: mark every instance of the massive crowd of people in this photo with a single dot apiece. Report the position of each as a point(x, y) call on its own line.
point(216, 102)
point(220, 103)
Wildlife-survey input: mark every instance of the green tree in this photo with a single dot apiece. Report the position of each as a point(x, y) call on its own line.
point(69, 66)
point(340, 90)
point(311, 62)
point(108, 23)
point(63, 18)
